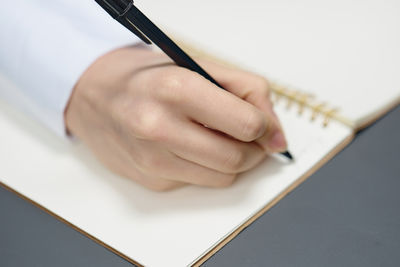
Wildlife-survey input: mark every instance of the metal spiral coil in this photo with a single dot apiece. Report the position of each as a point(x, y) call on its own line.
point(303, 100)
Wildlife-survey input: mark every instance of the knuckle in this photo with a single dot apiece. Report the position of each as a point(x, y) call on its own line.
point(253, 126)
point(262, 83)
point(235, 161)
point(149, 125)
point(171, 86)
point(172, 80)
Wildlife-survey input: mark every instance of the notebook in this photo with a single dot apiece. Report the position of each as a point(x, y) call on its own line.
point(334, 68)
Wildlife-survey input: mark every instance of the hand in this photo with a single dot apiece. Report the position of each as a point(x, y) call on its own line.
point(165, 126)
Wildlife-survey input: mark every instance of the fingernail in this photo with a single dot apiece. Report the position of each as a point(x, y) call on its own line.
point(278, 142)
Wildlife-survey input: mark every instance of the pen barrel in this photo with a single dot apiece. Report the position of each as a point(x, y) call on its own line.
point(135, 18)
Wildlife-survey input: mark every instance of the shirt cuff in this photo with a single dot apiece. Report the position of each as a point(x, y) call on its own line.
point(48, 56)
point(65, 70)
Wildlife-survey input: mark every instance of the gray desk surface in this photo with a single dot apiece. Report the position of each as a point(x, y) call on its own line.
point(346, 214)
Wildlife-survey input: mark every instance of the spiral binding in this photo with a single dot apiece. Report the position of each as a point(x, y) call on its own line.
point(303, 100)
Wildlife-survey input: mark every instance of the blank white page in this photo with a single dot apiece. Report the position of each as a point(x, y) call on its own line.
point(155, 229)
point(344, 52)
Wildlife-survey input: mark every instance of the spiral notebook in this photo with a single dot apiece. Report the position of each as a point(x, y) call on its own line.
point(332, 78)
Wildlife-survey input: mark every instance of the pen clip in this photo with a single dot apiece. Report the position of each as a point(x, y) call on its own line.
point(121, 18)
point(136, 31)
point(118, 10)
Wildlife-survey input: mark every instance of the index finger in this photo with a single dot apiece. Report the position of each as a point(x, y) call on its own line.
point(253, 89)
point(207, 104)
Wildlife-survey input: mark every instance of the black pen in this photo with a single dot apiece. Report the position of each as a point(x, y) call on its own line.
point(126, 13)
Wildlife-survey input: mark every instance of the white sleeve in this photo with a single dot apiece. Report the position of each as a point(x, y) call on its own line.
point(45, 45)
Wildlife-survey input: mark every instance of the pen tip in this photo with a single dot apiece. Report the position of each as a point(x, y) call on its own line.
point(287, 155)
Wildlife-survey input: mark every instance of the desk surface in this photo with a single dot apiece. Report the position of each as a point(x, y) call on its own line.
point(346, 214)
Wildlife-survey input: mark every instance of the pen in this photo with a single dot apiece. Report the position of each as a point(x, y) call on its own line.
point(126, 13)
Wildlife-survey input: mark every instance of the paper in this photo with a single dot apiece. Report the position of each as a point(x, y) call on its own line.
point(154, 229)
point(344, 52)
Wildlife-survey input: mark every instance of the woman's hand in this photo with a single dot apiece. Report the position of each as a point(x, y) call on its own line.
point(164, 126)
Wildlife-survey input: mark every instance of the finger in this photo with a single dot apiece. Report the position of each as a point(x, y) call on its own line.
point(173, 168)
point(153, 183)
point(253, 89)
point(213, 150)
point(123, 164)
point(205, 103)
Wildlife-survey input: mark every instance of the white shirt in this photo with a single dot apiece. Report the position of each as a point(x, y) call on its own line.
point(45, 46)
